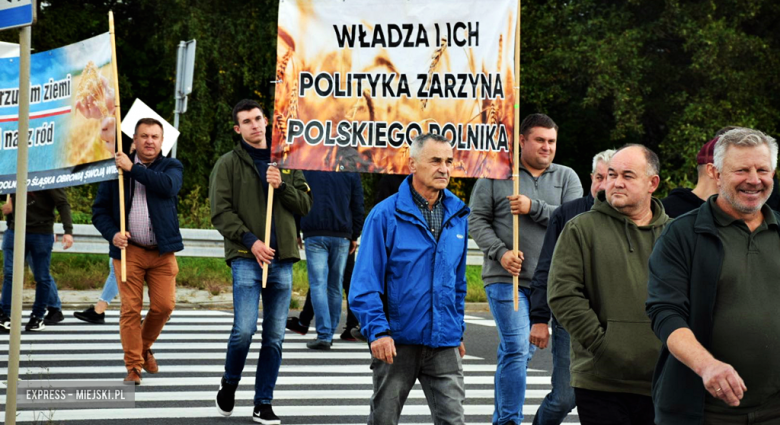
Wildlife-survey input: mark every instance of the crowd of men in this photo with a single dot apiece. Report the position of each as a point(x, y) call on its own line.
point(657, 311)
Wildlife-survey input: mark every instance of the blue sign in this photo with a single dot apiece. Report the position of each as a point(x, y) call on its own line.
point(16, 13)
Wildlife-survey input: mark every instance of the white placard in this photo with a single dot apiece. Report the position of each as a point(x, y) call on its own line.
point(141, 110)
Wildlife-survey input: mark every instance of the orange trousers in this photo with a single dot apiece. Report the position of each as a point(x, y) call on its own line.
point(159, 272)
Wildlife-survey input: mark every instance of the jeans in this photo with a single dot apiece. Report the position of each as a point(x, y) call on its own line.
point(53, 300)
point(307, 313)
point(326, 257)
point(608, 408)
point(110, 290)
point(514, 350)
point(560, 401)
point(440, 371)
point(247, 287)
point(39, 246)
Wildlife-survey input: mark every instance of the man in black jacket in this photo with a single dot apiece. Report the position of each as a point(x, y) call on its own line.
point(152, 184)
point(560, 401)
point(713, 296)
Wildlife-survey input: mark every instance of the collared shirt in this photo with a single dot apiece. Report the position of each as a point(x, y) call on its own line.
point(139, 223)
point(434, 217)
point(745, 323)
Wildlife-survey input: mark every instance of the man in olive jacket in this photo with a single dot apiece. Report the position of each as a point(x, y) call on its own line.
point(238, 193)
point(597, 289)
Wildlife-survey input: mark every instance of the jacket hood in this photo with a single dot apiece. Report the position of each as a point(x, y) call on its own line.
point(656, 224)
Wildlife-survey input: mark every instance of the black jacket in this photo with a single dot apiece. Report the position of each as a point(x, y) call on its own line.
point(540, 311)
point(163, 180)
point(337, 209)
point(682, 288)
point(680, 201)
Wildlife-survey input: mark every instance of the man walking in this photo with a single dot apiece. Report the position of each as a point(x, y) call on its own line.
point(543, 187)
point(597, 288)
point(330, 234)
point(409, 289)
point(152, 183)
point(560, 401)
point(39, 242)
point(713, 296)
point(238, 195)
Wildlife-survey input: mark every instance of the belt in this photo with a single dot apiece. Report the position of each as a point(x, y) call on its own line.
point(144, 247)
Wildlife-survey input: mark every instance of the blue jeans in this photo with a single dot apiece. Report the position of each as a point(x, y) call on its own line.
point(560, 401)
point(326, 257)
point(247, 287)
point(54, 296)
point(110, 290)
point(39, 246)
point(514, 350)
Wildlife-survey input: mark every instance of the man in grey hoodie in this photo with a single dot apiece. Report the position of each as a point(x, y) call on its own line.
point(597, 288)
point(543, 187)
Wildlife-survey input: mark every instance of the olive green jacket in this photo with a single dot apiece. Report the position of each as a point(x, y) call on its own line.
point(238, 205)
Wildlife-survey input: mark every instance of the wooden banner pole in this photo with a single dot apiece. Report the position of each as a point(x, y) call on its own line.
point(118, 117)
point(516, 154)
point(268, 211)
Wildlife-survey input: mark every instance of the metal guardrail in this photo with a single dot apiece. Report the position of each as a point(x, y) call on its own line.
point(197, 243)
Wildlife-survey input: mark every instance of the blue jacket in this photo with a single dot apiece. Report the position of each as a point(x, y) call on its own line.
point(162, 180)
point(407, 284)
point(337, 209)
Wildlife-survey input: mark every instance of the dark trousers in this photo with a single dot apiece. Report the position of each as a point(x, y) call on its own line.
point(307, 314)
point(608, 408)
point(766, 414)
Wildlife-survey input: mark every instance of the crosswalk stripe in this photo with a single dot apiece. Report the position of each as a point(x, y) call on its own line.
point(311, 354)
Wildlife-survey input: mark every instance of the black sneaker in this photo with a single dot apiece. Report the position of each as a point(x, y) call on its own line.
point(318, 344)
point(90, 316)
point(53, 317)
point(35, 324)
point(357, 334)
point(347, 335)
point(264, 414)
point(5, 321)
point(294, 325)
point(226, 398)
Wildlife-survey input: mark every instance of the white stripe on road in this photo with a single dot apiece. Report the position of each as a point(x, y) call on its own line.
point(297, 355)
point(103, 347)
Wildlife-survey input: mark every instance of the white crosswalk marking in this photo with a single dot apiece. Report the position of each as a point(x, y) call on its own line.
point(314, 387)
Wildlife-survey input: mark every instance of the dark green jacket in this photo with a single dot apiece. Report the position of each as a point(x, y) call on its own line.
point(684, 273)
point(238, 205)
point(597, 290)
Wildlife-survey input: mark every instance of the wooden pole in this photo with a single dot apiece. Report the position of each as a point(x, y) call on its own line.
point(268, 211)
point(516, 154)
point(118, 117)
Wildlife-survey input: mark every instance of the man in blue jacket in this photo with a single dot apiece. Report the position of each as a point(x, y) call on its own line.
point(409, 289)
point(152, 183)
point(330, 233)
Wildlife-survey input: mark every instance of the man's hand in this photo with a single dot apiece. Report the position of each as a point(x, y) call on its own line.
point(540, 335)
point(384, 349)
point(273, 176)
point(511, 263)
point(123, 162)
point(67, 241)
point(263, 253)
point(119, 240)
point(723, 382)
point(519, 204)
point(8, 207)
point(300, 243)
point(352, 247)
point(462, 349)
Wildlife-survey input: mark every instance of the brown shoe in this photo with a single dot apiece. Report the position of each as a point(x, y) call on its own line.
point(150, 363)
point(134, 375)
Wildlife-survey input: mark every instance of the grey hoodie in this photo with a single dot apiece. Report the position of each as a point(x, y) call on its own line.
point(490, 223)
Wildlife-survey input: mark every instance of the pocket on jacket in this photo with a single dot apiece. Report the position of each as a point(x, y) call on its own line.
point(629, 351)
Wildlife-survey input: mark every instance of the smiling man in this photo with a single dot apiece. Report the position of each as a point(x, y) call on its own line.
point(543, 187)
point(152, 184)
point(597, 288)
point(713, 296)
point(409, 289)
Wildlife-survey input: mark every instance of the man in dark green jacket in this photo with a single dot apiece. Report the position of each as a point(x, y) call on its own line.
point(713, 295)
point(238, 191)
point(597, 288)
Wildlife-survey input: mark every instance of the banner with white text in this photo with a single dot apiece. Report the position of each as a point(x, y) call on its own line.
point(72, 125)
point(357, 80)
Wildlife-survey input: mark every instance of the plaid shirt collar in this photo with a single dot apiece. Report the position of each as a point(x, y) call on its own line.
point(435, 216)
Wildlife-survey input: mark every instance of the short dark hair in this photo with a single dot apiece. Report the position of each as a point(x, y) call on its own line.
point(148, 121)
point(536, 120)
point(653, 163)
point(245, 105)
